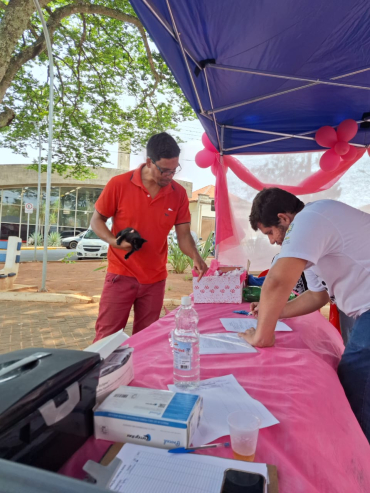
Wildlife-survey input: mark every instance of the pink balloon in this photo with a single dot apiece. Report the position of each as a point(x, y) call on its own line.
point(205, 158)
point(347, 130)
point(341, 148)
point(329, 161)
point(326, 136)
point(208, 144)
point(351, 154)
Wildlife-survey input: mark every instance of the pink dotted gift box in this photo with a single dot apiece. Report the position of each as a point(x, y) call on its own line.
point(221, 284)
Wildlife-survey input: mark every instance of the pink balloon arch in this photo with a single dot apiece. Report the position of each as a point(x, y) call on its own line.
point(338, 141)
point(333, 163)
point(318, 182)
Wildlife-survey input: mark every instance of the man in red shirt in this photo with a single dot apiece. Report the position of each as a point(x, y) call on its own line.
point(149, 201)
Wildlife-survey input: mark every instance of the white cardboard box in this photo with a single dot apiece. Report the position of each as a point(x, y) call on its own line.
point(117, 370)
point(158, 418)
point(224, 288)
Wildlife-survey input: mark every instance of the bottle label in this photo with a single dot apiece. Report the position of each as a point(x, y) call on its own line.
point(182, 352)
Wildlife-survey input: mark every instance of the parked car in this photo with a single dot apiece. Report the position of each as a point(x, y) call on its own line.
point(71, 232)
point(71, 241)
point(91, 246)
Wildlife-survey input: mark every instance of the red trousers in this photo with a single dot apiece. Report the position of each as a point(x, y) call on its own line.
point(118, 296)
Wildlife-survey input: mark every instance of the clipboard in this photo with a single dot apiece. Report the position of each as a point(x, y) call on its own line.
point(104, 472)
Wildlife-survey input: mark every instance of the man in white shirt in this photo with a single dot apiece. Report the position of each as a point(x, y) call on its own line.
point(330, 242)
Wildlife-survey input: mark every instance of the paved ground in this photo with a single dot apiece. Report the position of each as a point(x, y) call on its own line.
point(60, 325)
point(25, 324)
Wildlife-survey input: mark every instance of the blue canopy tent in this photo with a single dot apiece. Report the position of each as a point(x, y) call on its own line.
point(264, 75)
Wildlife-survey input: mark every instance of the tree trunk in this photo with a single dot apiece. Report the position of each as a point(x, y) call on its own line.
point(13, 24)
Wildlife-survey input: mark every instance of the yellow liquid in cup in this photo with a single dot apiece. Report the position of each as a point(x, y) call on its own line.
point(245, 458)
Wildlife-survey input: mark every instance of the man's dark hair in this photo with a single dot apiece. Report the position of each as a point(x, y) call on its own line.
point(162, 146)
point(270, 202)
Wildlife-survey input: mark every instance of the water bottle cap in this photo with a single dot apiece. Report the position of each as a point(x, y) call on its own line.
point(186, 301)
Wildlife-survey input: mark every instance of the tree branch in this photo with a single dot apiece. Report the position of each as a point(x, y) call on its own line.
point(17, 14)
point(6, 117)
point(54, 21)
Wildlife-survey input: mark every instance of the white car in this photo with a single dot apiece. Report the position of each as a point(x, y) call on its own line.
point(71, 242)
point(91, 246)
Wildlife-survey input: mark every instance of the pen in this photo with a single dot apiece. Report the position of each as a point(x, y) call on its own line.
point(184, 450)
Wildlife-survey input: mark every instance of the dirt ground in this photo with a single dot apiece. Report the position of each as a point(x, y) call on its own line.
point(82, 278)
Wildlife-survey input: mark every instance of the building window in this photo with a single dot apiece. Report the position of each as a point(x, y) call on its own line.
point(70, 209)
point(86, 198)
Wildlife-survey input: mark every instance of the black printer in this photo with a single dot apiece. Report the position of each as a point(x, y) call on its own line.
point(46, 404)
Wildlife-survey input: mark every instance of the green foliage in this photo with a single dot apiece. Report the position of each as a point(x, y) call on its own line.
point(205, 249)
point(108, 89)
point(54, 239)
point(177, 259)
point(103, 266)
point(32, 237)
point(68, 257)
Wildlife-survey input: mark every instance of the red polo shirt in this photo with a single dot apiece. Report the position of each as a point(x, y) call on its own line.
point(129, 203)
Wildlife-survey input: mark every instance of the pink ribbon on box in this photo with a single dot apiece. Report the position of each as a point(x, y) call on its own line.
point(243, 276)
point(215, 264)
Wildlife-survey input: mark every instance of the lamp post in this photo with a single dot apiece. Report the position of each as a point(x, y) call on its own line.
point(38, 193)
point(50, 143)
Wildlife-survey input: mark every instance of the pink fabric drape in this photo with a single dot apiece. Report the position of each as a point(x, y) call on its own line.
point(318, 446)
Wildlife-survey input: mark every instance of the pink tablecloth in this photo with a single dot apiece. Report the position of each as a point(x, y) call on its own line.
point(318, 445)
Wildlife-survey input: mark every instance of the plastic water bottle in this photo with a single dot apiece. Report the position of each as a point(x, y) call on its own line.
point(185, 343)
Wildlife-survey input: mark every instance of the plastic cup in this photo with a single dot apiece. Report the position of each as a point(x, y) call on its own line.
point(244, 429)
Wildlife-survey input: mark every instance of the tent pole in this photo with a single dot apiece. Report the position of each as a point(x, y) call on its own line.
point(213, 116)
point(276, 140)
point(270, 132)
point(276, 94)
point(168, 28)
point(184, 55)
point(263, 73)
point(222, 164)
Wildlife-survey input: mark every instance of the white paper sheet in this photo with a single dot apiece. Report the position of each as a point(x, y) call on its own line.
point(242, 324)
point(222, 396)
point(147, 469)
point(224, 344)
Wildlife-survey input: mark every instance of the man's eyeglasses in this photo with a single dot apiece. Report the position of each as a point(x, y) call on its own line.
point(167, 172)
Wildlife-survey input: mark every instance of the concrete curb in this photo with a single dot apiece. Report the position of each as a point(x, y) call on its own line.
point(61, 298)
point(41, 248)
point(44, 297)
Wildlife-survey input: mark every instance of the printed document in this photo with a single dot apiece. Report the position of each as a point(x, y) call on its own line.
point(224, 344)
point(151, 469)
point(222, 396)
point(242, 324)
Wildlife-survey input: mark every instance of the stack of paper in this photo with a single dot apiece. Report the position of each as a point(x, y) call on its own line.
point(222, 396)
point(242, 324)
point(224, 344)
point(155, 470)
